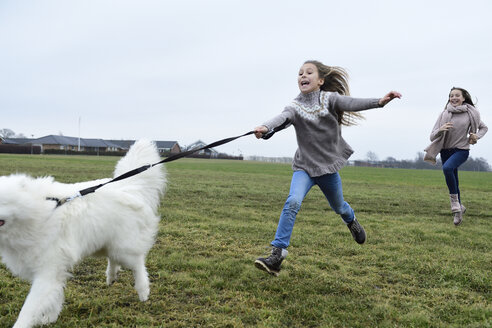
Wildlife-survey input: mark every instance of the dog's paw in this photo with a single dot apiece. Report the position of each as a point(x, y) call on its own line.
point(21, 324)
point(143, 298)
point(50, 317)
point(143, 294)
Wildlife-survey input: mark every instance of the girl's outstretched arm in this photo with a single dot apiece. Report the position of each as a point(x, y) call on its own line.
point(388, 97)
point(279, 122)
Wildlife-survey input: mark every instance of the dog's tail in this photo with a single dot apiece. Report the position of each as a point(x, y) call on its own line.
point(150, 183)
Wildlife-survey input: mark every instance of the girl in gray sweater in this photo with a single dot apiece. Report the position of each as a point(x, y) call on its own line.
point(457, 127)
point(317, 114)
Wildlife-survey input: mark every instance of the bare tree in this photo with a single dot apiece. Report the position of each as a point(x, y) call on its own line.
point(7, 133)
point(372, 157)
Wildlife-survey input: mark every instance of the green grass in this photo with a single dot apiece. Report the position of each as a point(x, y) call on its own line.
point(415, 270)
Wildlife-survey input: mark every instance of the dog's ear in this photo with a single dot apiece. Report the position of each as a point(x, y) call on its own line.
point(29, 196)
point(23, 182)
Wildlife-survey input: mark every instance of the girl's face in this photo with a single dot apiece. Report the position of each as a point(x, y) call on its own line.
point(308, 78)
point(456, 97)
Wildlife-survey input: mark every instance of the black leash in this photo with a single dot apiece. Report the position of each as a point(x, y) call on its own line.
point(174, 157)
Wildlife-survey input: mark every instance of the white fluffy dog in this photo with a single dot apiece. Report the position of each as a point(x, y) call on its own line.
point(41, 243)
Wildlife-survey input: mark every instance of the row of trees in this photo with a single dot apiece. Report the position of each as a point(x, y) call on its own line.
point(7, 133)
point(472, 164)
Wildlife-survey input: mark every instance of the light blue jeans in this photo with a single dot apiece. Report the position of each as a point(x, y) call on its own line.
point(330, 185)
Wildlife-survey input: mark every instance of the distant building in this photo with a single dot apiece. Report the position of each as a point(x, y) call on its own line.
point(171, 147)
point(123, 144)
point(15, 141)
point(67, 143)
point(206, 152)
point(88, 145)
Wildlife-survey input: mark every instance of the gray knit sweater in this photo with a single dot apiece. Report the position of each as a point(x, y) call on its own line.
point(321, 148)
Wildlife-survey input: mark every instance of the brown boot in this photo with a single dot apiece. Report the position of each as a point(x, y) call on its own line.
point(455, 203)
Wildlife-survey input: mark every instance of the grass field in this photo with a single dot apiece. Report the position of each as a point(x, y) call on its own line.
point(416, 268)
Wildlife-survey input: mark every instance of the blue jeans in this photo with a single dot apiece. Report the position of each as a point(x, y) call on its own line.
point(451, 160)
point(330, 185)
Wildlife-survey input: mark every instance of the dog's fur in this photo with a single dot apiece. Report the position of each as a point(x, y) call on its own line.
point(41, 243)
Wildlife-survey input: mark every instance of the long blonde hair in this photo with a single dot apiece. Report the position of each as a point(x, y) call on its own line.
point(336, 80)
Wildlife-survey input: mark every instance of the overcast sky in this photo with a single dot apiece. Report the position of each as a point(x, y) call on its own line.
point(206, 70)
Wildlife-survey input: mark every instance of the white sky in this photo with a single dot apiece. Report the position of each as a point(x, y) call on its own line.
point(188, 70)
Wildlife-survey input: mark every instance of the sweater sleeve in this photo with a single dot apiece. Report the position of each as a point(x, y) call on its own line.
point(435, 130)
point(349, 104)
point(482, 130)
point(287, 114)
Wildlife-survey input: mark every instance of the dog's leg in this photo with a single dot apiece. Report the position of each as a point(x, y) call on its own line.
point(142, 285)
point(112, 271)
point(43, 303)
